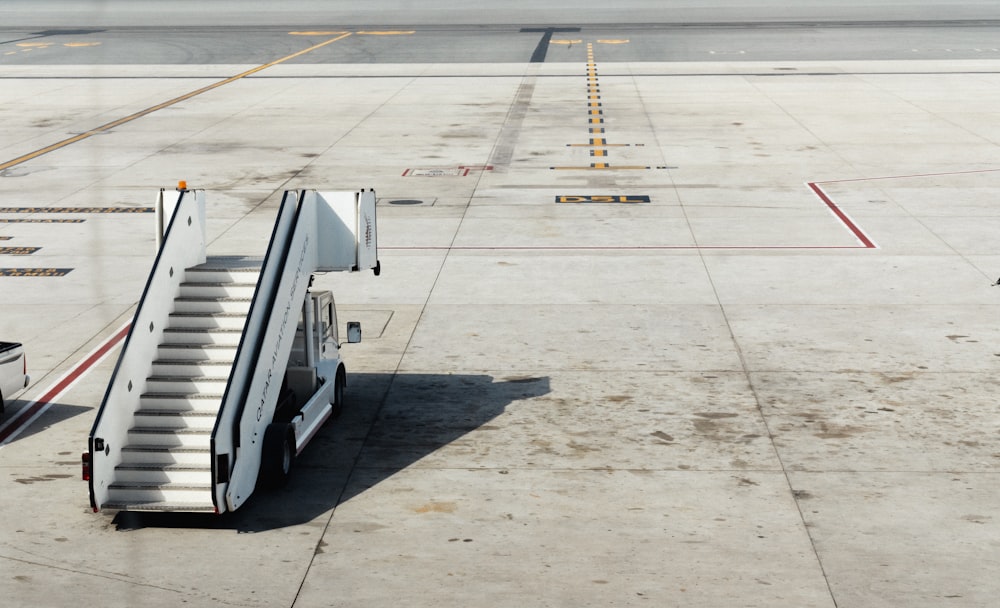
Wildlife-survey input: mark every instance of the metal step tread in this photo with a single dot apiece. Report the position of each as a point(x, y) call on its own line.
point(169, 468)
point(176, 413)
point(230, 262)
point(152, 430)
point(194, 507)
point(211, 298)
point(217, 284)
point(145, 485)
point(212, 362)
point(160, 378)
point(164, 449)
point(212, 315)
point(201, 330)
point(160, 395)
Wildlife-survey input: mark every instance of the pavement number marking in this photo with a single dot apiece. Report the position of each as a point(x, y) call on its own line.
point(18, 250)
point(616, 198)
point(35, 272)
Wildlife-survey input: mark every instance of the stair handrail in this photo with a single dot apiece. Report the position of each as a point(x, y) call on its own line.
point(226, 435)
point(183, 245)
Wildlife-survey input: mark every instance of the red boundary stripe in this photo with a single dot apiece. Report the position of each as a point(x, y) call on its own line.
point(19, 422)
point(858, 233)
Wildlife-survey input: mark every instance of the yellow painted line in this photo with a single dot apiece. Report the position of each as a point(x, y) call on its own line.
point(166, 104)
point(613, 41)
point(76, 45)
point(565, 41)
point(387, 33)
point(33, 45)
point(316, 33)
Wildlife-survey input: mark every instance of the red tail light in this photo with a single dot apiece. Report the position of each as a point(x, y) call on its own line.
point(85, 462)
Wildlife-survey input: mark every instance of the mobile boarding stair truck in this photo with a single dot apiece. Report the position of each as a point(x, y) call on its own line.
point(231, 364)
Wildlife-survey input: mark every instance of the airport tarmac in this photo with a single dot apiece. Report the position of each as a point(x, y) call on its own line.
point(712, 332)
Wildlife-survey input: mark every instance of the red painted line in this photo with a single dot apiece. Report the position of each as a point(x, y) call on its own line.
point(858, 233)
point(617, 248)
point(33, 410)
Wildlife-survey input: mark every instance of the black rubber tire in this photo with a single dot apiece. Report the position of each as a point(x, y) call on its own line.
point(338, 394)
point(277, 456)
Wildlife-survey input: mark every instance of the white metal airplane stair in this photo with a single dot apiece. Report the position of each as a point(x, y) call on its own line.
point(197, 381)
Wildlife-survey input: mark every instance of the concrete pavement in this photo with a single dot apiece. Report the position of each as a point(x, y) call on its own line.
point(720, 397)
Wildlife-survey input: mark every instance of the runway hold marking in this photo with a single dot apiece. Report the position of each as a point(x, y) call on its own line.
point(127, 119)
point(35, 272)
point(31, 412)
point(18, 250)
point(5, 238)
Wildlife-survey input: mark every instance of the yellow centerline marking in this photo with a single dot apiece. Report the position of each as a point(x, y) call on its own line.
point(166, 104)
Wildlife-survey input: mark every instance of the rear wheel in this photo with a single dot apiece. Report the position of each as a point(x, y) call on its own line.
point(278, 455)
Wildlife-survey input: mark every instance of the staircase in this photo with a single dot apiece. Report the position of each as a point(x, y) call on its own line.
point(166, 462)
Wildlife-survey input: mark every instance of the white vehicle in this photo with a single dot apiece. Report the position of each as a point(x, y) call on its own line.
point(13, 372)
point(232, 364)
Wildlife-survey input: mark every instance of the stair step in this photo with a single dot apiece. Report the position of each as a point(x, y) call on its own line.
point(193, 507)
point(217, 290)
point(131, 492)
point(199, 337)
point(166, 455)
point(186, 385)
point(160, 437)
point(202, 320)
point(212, 305)
point(193, 402)
point(191, 368)
point(214, 273)
point(176, 420)
point(163, 474)
point(199, 352)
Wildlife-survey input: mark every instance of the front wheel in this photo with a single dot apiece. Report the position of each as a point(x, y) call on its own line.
point(338, 394)
point(278, 455)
